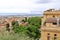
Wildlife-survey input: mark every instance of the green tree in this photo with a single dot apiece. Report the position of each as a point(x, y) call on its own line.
point(15, 23)
point(25, 19)
point(33, 29)
point(35, 21)
point(33, 32)
point(18, 29)
point(15, 26)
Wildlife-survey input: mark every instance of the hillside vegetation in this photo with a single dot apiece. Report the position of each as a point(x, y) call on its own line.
point(28, 32)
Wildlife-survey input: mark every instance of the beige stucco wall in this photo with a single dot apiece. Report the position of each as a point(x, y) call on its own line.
point(49, 27)
point(44, 35)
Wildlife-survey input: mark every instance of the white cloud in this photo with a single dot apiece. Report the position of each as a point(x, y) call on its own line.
point(16, 5)
point(47, 1)
point(27, 6)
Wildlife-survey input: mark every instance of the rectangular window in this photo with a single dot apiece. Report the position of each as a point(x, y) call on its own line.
point(55, 38)
point(54, 23)
point(48, 38)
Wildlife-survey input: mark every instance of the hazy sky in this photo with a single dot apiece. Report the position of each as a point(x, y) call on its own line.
point(8, 7)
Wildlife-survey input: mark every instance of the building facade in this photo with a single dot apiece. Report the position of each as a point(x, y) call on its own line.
point(50, 28)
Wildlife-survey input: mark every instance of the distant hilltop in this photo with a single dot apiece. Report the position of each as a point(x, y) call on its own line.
point(21, 15)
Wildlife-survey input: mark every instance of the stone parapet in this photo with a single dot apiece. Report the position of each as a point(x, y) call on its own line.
point(53, 29)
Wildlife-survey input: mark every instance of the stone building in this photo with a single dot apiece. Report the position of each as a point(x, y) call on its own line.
point(50, 28)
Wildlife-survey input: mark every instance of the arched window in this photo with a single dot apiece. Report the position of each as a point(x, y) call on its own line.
point(44, 23)
point(7, 27)
point(55, 36)
point(53, 16)
point(48, 36)
point(48, 33)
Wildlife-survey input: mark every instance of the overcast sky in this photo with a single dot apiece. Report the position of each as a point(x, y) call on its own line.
point(9, 7)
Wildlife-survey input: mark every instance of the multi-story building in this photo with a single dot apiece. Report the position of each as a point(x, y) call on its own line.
point(50, 28)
